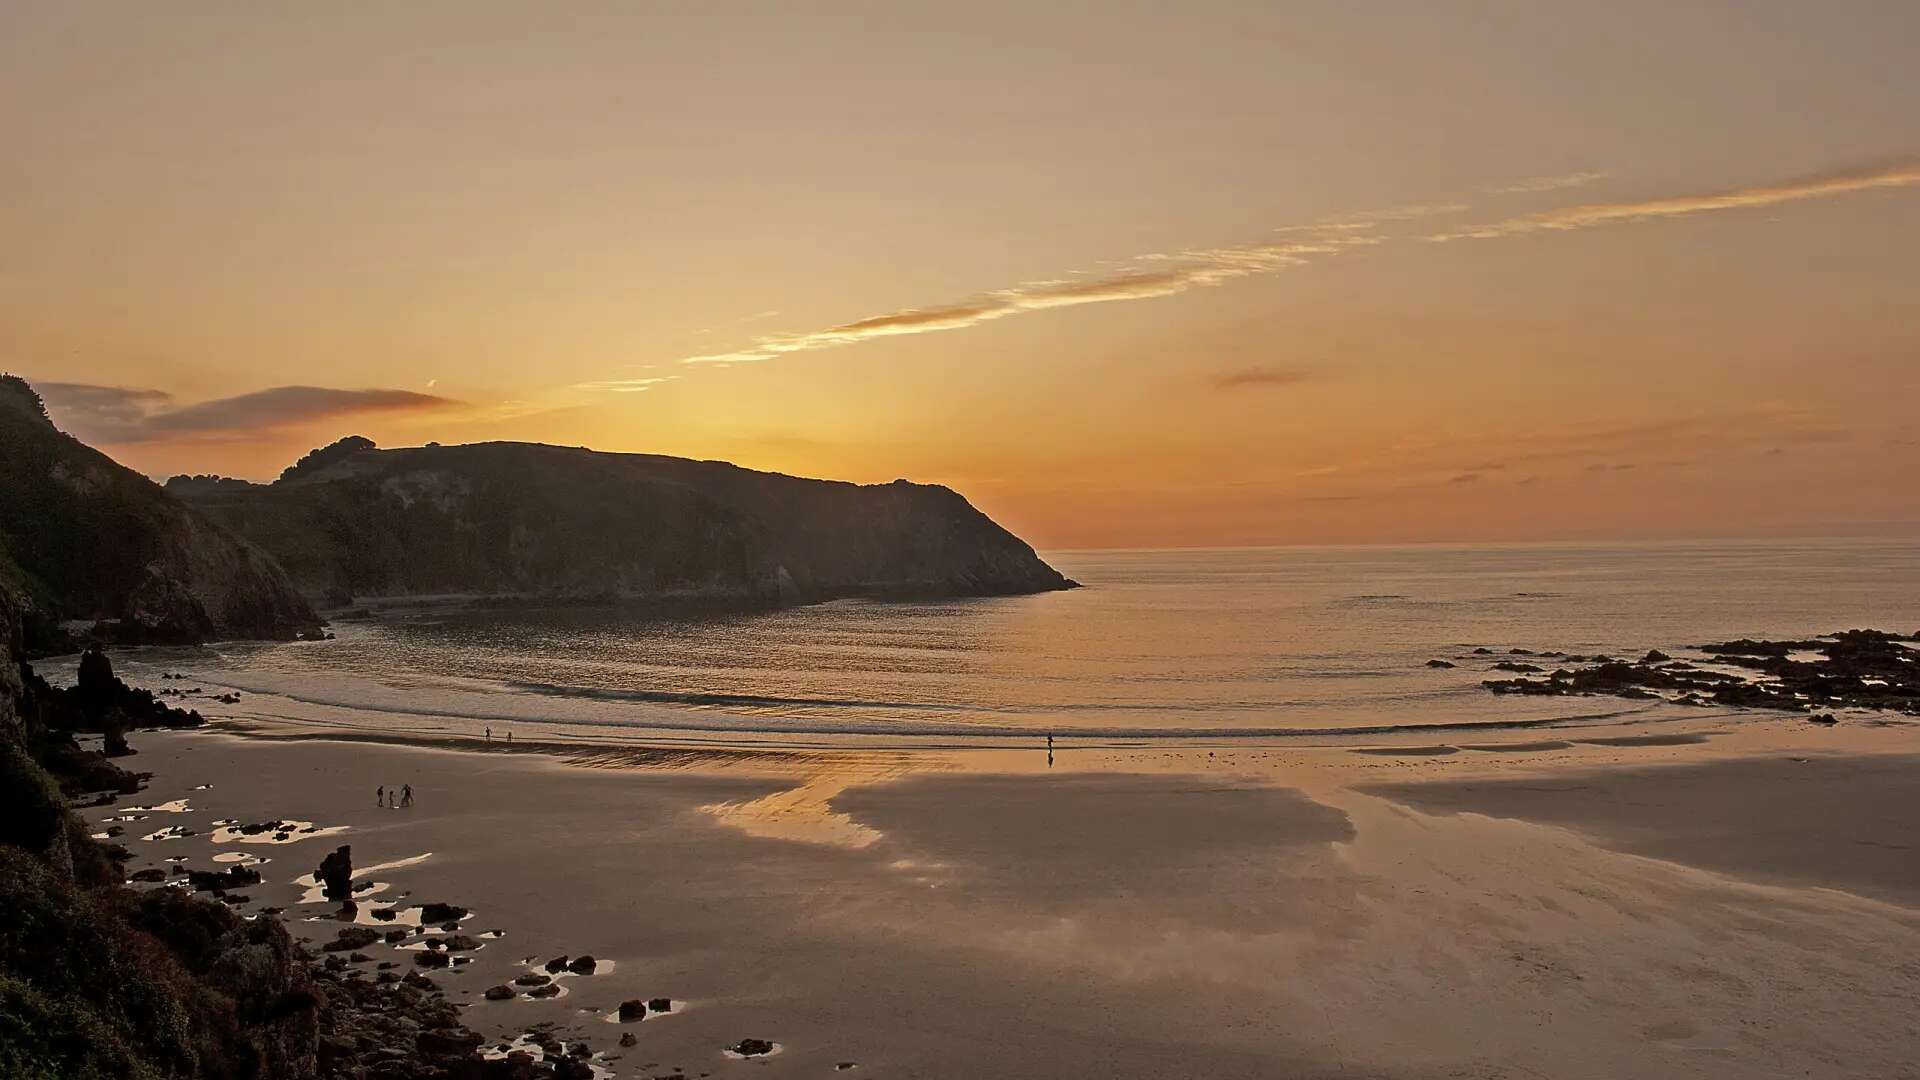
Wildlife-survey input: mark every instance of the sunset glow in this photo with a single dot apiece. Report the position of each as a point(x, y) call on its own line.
point(1227, 276)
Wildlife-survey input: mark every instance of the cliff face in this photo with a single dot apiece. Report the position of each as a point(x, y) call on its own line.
point(82, 537)
point(528, 519)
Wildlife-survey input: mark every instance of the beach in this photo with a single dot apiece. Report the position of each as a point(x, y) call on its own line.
point(1731, 897)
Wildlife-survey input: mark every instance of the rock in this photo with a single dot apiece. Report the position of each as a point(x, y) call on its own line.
point(216, 881)
point(544, 991)
point(1438, 664)
point(1823, 719)
point(533, 979)
point(502, 992)
point(395, 937)
point(557, 965)
point(437, 913)
point(1655, 656)
point(336, 874)
point(458, 943)
point(151, 873)
point(1510, 665)
point(431, 960)
point(350, 938)
point(660, 1005)
point(752, 1047)
point(632, 1009)
point(629, 1039)
point(441, 1043)
point(583, 965)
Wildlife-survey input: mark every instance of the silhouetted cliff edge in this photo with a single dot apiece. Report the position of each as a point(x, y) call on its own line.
point(529, 519)
point(84, 538)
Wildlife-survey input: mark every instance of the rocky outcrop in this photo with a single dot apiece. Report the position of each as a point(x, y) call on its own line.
point(99, 982)
point(525, 519)
point(84, 538)
point(1856, 669)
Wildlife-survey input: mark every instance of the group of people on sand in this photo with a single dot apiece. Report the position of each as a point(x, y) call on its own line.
point(400, 799)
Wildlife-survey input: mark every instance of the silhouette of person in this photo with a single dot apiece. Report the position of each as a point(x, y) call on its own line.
point(406, 795)
point(1049, 749)
point(380, 795)
point(489, 734)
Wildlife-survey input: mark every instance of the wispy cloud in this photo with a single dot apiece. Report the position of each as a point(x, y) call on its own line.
point(1260, 377)
point(121, 415)
point(1590, 215)
point(1184, 270)
point(625, 386)
point(1549, 183)
point(1171, 273)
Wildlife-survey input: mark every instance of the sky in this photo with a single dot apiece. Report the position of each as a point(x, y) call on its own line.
point(1123, 274)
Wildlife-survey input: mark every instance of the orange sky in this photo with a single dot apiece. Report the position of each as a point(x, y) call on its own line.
point(1125, 277)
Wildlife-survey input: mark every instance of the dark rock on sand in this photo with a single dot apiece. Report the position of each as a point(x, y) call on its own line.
point(501, 992)
point(583, 965)
point(1511, 665)
point(436, 913)
point(350, 938)
point(532, 978)
point(660, 1005)
point(1438, 664)
point(218, 881)
point(752, 1047)
point(336, 874)
point(557, 965)
point(633, 1009)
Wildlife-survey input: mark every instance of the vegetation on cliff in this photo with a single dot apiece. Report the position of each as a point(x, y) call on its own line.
point(84, 538)
point(530, 519)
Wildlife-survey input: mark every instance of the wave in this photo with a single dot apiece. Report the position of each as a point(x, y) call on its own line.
point(682, 724)
point(711, 699)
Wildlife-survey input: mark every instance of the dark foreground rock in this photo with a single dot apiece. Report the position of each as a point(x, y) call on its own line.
point(335, 874)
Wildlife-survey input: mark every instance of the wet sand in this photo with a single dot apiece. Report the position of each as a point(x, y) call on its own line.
point(1706, 908)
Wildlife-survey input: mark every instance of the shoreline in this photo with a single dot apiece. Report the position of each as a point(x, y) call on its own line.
point(953, 913)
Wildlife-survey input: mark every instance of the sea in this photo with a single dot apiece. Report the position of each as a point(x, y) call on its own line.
point(1185, 645)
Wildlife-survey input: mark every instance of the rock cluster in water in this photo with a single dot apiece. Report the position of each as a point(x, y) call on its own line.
point(1854, 669)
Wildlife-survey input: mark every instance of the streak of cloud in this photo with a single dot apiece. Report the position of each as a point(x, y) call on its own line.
point(625, 386)
point(1260, 377)
point(1590, 215)
point(1185, 270)
point(1171, 273)
point(123, 415)
point(1549, 183)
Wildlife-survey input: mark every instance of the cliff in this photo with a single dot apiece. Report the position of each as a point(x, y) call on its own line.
point(530, 519)
point(84, 538)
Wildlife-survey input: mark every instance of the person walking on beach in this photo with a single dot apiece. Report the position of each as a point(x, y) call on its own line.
point(406, 795)
point(380, 795)
point(1049, 749)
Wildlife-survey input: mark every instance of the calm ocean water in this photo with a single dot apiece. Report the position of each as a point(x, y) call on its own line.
point(1160, 644)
